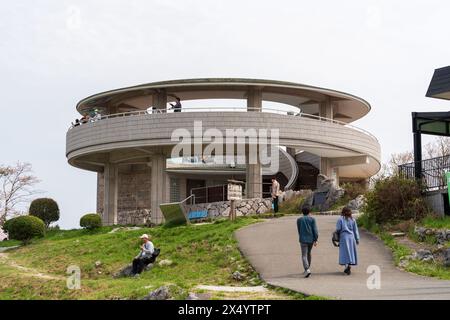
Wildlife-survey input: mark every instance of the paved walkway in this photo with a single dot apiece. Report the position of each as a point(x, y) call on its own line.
point(273, 249)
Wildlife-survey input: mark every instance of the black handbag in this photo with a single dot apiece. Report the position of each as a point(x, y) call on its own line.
point(335, 237)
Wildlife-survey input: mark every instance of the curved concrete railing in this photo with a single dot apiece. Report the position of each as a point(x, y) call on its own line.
point(290, 171)
point(132, 130)
point(224, 109)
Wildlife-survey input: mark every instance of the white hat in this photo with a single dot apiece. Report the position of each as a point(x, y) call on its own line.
point(144, 236)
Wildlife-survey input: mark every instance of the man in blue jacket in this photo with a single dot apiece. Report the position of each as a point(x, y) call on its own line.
point(308, 235)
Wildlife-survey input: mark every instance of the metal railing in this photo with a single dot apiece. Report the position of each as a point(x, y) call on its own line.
point(220, 109)
point(219, 193)
point(433, 172)
point(210, 194)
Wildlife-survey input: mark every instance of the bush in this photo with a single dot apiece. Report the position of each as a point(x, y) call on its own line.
point(46, 209)
point(395, 199)
point(24, 228)
point(91, 221)
point(353, 190)
point(292, 206)
point(7, 224)
point(368, 222)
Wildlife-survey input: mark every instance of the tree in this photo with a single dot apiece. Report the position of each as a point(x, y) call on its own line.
point(440, 147)
point(390, 168)
point(398, 159)
point(16, 186)
point(46, 209)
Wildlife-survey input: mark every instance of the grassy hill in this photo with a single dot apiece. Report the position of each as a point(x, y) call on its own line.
point(201, 254)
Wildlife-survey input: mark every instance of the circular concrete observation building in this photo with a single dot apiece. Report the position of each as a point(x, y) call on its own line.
point(128, 141)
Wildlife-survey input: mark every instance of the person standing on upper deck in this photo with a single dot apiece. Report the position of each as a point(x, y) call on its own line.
point(177, 106)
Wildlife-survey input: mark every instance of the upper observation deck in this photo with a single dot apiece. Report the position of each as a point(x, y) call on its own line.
point(133, 124)
point(308, 99)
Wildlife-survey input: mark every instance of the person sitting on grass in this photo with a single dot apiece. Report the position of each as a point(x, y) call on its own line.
point(144, 257)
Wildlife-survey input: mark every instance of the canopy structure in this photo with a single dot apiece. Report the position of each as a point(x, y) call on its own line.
point(440, 84)
point(434, 123)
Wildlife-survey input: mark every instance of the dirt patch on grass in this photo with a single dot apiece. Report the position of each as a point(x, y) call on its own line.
point(25, 270)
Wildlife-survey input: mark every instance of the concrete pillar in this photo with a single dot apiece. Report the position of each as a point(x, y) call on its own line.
point(159, 187)
point(253, 181)
point(253, 177)
point(113, 110)
point(160, 99)
point(111, 183)
point(326, 109)
point(327, 169)
point(183, 188)
point(253, 168)
point(335, 176)
point(366, 184)
point(100, 192)
point(254, 99)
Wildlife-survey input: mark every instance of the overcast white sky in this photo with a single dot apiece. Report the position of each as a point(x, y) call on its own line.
point(54, 53)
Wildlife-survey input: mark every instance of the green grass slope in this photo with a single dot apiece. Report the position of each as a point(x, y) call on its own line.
point(201, 254)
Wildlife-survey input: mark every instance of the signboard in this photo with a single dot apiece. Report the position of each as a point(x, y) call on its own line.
point(234, 191)
point(173, 213)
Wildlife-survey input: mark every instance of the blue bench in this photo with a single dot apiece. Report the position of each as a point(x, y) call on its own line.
point(199, 214)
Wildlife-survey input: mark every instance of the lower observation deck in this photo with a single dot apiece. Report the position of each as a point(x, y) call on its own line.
point(142, 133)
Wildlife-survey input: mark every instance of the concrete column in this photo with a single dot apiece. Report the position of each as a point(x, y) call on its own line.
point(159, 187)
point(253, 175)
point(100, 192)
point(327, 169)
point(160, 99)
point(326, 109)
point(254, 99)
point(253, 170)
point(366, 184)
point(113, 110)
point(335, 176)
point(111, 183)
point(183, 188)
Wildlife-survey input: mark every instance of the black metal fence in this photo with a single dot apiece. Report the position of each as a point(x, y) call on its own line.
point(433, 172)
point(220, 193)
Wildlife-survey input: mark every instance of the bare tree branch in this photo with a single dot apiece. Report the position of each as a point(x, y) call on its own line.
point(17, 186)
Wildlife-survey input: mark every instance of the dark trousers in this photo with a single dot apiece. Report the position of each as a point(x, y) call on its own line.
point(139, 264)
point(275, 204)
point(306, 254)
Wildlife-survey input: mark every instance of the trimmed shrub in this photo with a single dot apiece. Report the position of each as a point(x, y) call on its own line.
point(91, 221)
point(395, 199)
point(46, 209)
point(7, 224)
point(24, 228)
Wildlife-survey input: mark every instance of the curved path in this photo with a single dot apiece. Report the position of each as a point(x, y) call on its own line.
point(272, 248)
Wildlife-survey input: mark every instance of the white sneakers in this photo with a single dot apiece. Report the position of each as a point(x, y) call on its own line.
point(307, 273)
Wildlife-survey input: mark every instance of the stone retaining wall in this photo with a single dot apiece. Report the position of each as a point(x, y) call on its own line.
point(134, 217)
point(243, 207)
point(441, 235)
